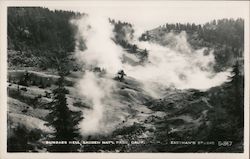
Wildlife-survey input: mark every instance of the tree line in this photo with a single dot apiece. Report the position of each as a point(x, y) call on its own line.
point(224, 36)
point(36, 34)
point(221, 31)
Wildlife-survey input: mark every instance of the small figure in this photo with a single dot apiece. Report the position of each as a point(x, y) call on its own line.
point(121, 75)
point(47, 94)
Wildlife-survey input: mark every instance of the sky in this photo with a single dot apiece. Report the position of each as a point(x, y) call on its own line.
point(148, 14)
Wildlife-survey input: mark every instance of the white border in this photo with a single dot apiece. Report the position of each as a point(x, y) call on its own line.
point(3, 90)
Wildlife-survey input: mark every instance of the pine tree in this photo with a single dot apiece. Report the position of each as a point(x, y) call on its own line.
point(236, 93)
point(235, 79)
point(63, 120)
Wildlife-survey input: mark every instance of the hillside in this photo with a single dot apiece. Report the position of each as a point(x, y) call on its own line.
point(33, 41)
point(179, 115)
point(45, 79)
point(225, 37)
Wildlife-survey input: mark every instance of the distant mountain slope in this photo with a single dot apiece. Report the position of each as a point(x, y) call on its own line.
point(124, 36)
point(36, 35)
point(225, 37)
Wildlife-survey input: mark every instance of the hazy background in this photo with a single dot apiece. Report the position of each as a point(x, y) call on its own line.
point(147, 15)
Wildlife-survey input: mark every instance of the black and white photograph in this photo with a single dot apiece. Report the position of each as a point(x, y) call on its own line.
point(126, 77)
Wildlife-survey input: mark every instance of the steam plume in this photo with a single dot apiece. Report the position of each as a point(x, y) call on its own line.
point(177, 65)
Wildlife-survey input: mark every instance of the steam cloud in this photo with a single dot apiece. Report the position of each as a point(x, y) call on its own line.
point(101, 52)
point(177, 65)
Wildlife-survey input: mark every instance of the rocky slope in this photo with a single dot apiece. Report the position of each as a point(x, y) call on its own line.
point(35, 43)
point(180, 115)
